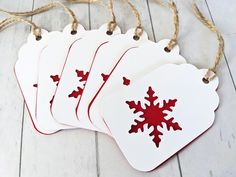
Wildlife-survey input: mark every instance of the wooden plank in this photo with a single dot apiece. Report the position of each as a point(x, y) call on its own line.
point(11, 102)
point(223, 19)
point(111, 162)
point(67, 153)
point(213, 154)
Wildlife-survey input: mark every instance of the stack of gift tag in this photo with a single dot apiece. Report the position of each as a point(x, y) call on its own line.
point(131, 89)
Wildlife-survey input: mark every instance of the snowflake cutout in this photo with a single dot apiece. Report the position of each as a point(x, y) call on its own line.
point(126, 81)
point(76, 93)
point(55, 79)
point(104, 77)
point(82, 75)
point(153, 115)
point(83, 78)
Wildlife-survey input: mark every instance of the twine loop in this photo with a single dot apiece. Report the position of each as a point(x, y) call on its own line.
point(211, 73)
point(37, 32)
point(74, 27)
point(139, 29)
point(173, 41)
point(112, 24)
point(138, 33)
point(111, 27)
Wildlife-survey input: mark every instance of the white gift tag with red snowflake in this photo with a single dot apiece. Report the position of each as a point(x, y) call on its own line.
point(51, 63)
point(74, 76)
point(105, 60)
point(160, 113)
point(134, 63)
point(26, 70)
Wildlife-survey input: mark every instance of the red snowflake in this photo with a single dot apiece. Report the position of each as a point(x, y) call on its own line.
point(82, 74)
point(104, 77)
point(83, 78)
point(126, 81)
point(76, 93)
point(56, 79)
point(153, 115)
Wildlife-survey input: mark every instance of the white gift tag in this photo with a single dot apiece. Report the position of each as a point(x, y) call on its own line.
point(135, 63)
point(74, 76)
point(105, 60)
point(51, 63)
point(26, 70)
point(160, 113)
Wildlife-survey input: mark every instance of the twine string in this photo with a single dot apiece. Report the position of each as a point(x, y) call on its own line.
point(45, 8)
point(14, 19)
point(173, 42)
point(112, 24)
point(139, 29)
point(211, 73)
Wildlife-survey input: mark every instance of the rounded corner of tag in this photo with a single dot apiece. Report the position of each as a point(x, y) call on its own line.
point(211, 121)
point(143, 168)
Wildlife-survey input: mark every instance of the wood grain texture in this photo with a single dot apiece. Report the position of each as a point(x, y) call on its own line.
point(81, 153)
point(11, 102)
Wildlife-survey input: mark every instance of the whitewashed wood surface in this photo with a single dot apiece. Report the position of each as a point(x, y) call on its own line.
point(81, 153)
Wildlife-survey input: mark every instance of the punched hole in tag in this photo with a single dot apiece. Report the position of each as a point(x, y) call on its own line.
point(109, 32)
point(73, 32)
point(38, 38)
point(166, 49)
point(205, 81)
point(136, 37)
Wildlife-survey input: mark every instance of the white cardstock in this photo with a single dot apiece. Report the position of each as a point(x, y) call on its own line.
point(135, 63)
point(104, 62)
point(74, 76)
point(160, 113)
point(26, 71)
point(51, 63)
